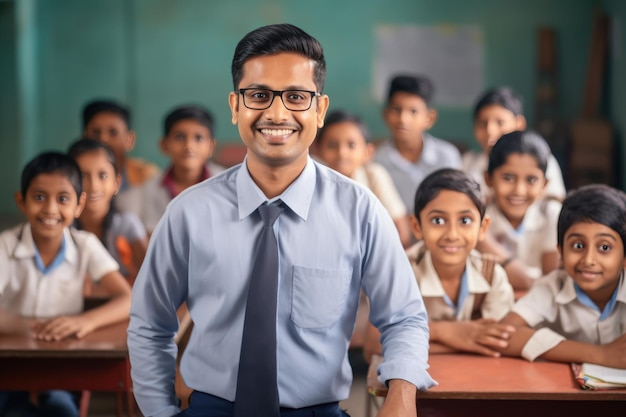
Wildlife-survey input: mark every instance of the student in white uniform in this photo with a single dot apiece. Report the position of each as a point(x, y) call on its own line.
point(578, 313)
point(523, 223)
point(465, 293)
point(343, 144)
point(44, 264)
point(498, 112)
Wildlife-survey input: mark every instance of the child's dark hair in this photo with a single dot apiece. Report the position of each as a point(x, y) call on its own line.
point(500, 96)
point(192, 112)
point(595, 203)
point(341, 116)
point(52, 163)
point(105, 106)
point(452, 180)
point(85, 145)
point(526, 143)
point(419, 86)
point(274, 39)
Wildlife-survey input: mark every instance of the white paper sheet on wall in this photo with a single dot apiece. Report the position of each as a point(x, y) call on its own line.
point(451, 56)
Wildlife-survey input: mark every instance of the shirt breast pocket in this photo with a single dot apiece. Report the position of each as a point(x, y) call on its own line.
point(318, 296)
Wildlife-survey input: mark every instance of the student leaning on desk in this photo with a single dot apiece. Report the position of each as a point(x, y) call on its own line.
point(44, 263)
point(578, 314)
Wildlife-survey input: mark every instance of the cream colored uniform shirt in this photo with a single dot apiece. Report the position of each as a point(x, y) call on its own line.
point(552, 306)
point(496, 304)
point(475, 164)
point(26, 291)
point(375, 177)
point(536, 236)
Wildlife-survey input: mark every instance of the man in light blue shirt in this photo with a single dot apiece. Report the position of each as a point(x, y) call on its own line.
point(334, 238)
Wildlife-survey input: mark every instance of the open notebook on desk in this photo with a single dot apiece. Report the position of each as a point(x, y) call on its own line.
point(591, 376)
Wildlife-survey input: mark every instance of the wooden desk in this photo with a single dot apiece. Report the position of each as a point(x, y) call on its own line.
point(472, 385)
point(98, 362)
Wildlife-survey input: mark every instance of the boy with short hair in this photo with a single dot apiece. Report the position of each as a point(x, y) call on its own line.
point(44, 264)
point(189, 142)
point(109, 122)
point(578, 313)
point(412, 153)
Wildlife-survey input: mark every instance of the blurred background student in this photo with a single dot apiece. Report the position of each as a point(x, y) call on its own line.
point(497, 112)
point(122, 233)
point(343, 144)
point(189, 143)
point(412, 153)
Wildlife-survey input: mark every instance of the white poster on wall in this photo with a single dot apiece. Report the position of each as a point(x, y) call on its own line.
point(451, 56)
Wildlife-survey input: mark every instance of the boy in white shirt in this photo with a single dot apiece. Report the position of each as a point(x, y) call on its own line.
point(44, 264)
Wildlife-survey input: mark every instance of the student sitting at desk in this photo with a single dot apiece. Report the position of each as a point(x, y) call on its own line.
point(44, 263)
point(578, 314)
point(523, 223)
point(465, 293)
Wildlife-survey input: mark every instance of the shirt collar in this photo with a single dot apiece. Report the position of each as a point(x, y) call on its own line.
point(297, 196)
point(170, 185)
point(26, 247)
point(570, 286)
point(427, 157)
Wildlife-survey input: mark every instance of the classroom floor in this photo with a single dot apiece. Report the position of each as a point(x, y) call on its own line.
point(103, 404)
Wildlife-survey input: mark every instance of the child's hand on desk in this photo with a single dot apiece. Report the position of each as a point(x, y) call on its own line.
point(484, 336)
point(62, 327)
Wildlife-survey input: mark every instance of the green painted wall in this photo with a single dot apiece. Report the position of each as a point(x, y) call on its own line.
point(156, 54)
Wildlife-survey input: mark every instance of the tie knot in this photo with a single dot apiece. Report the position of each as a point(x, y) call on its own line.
point(270, 212)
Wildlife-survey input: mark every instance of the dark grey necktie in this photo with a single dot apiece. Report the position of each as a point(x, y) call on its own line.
point(257, 387)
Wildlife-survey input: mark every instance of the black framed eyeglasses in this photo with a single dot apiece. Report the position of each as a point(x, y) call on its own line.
point(293, 100)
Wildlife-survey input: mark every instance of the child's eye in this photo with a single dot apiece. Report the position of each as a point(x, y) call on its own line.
point(103, 176)
point(39, 197)
point(63, 199)
point(604, 247)
point(437, 220)
point(199, 138)
point(352, 145)
point(532, 179)
point(113, 133)
point(413, 112)
point(466, 220)
point(578, 246)
point(508, 177)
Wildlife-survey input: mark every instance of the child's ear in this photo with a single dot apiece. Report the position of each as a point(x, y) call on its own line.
point(520, 123)
point(484, 226)
point(233, 102)
point(432, 117)
point(487, 177)
point(118, 183)
point(416, 228)
point(19, 200)
point(371, 150)
point(81, 205)
point(130, 140)
point(163, 146)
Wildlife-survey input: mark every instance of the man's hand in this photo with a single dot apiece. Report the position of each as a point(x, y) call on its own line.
point(400, 401)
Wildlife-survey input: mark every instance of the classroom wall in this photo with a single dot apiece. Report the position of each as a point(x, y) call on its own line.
point(155, 54)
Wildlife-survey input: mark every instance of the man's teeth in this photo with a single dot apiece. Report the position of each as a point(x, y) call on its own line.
point(276, 132)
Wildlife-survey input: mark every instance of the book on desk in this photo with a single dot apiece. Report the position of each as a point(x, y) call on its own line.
point(598, 377)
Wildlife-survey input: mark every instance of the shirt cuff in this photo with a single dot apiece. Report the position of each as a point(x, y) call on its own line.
point(416, 375)
point(539, 343)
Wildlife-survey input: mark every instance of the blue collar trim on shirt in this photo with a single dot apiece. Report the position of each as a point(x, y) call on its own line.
point(58, 259)
point(586, 301)
point(463, 292)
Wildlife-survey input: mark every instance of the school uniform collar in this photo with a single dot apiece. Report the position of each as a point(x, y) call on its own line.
point(428, 157)
point(567, 294)
point(429, 283)
point(297, 196)
point(25, 247)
